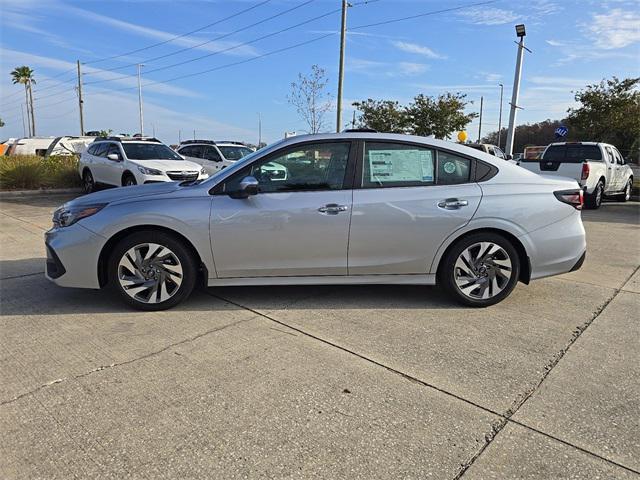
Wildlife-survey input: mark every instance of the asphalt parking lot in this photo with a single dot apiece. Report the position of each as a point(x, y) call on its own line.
point(322, 382)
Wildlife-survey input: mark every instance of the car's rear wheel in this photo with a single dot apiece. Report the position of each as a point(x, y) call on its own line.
point(88, 183)
point(480, 270)
point(593, 200)
point(152, 270)
point(129, 180)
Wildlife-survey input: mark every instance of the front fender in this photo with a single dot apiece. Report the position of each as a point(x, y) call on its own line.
point(187, 216)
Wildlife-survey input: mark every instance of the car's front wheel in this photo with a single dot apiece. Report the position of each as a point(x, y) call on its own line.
point(88, 182)
point(626, 194)
point(480, 270)
point(152, 270)
point(129, 180)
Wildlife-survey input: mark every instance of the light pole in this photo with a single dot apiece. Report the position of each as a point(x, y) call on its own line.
point(500, 115)
point(140, 65)
point(480, 122)
point(521, 33)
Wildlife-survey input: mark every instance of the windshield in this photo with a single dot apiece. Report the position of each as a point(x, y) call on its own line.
point(235, 153)
point(149, 151)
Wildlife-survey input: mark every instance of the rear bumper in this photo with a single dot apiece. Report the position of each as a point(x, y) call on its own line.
point(557, 248)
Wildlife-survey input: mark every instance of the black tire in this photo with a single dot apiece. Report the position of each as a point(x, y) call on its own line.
point(186, 259)
point(448, 272)
point(128, 180)
point(88, 183)
point(593, 200)
point(625, 196)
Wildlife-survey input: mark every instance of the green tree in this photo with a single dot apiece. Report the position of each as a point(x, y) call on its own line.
point(310, 98)
point(382, 115)
point(610, 112)
point(439, 116)
point(539, 133)
point(24, 75)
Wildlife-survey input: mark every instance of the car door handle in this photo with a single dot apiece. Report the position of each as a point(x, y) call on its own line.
point(452, 204)
point(332, 209)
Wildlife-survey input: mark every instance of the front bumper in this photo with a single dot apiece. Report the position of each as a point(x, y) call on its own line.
point(72, 256)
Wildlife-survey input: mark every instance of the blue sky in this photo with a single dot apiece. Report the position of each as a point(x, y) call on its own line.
point(470, 50)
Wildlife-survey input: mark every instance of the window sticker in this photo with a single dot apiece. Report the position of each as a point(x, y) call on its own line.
point(449, 167)
point(401, 166)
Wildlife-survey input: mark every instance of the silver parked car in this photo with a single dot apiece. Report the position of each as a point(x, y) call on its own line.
point(350, 208)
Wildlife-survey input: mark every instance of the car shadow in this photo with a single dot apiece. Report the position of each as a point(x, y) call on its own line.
point(25, 291)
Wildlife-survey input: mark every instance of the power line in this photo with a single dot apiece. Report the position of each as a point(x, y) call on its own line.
point(181, 35)
point(247, 27)
point(229, 65)
point(433, 12)
point(223, 50)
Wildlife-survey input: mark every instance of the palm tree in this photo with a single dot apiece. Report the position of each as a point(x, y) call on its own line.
point(24, 75)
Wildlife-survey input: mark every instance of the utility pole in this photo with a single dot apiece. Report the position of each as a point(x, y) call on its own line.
point(480, 124)
point(259, 129)
point(500, 115)
point(24, 130)
point(353, 120)
point(179, 136)
point(520, 32)
point(140, 65)
point(194, 134)
point(80, 101)
point(343, 34)
point(26, 97)
point(33, 119)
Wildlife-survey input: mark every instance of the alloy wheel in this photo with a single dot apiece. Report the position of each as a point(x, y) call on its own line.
point(150, 273)
point(482, 270)
point(599, 194)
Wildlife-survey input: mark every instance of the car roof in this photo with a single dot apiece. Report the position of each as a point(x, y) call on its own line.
point(393, 137)
point(578, 143)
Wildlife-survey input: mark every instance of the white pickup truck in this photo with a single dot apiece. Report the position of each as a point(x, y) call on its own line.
point(598, 167)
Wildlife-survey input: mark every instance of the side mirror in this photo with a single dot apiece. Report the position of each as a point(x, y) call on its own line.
point(114, 157)
point(248, 186)
point(508, 157)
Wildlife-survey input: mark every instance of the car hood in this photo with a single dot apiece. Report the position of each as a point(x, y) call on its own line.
point(125, 193)
point(168, 165)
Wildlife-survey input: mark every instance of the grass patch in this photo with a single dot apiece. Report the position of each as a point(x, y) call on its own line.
point(31, 172)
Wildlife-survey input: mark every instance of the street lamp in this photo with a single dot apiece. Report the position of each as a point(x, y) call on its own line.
point(520, 32)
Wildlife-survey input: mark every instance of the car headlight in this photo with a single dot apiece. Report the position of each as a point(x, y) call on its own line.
point(149, 171)
point(65, 216)
point(203, 171)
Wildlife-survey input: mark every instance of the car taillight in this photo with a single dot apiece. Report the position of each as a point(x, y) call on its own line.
point(574, 197)
point(585, 171)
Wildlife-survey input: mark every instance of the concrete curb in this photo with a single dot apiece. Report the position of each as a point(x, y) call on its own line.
point(5, 194)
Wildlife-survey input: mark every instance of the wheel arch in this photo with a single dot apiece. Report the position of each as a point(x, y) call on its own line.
point(107, 248)
point(523, 257)
point(125, 174)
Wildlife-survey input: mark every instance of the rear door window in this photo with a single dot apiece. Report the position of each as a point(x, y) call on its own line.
point(397, 165)
point(452, 169)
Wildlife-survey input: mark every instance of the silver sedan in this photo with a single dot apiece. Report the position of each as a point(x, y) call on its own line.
point(349, 208)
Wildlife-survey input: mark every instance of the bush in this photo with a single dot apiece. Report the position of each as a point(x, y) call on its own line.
point(27, 172)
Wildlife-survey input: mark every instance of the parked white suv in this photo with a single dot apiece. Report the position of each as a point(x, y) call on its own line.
point(213, 156)
point(598, 167)
point(121, 161)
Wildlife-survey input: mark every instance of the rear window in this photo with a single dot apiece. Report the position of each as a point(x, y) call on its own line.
point(572, 153)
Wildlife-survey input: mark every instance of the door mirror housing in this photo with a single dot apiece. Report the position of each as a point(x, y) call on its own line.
point(508, 157)
point(113, 157)
point(248, 186)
